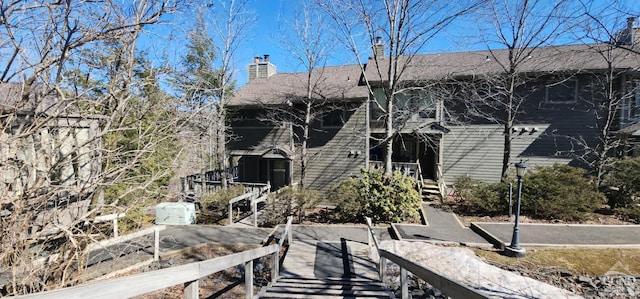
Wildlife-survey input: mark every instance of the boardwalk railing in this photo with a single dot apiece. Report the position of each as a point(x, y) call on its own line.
point(187, 275)
point(447, 286)
point(258, 193)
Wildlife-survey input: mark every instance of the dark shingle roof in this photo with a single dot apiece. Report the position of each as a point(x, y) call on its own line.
point(342, 81)
point(552, 59)
point(333, 82)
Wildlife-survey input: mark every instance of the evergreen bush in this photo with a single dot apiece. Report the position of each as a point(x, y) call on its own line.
point(289, 201)
point(384, 198)
point(214, 205)
point(623, 183)
point(560, 192)
point(478, 198)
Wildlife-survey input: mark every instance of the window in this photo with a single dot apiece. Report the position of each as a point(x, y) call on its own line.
point(409, 104)
point(630, 105)
point(563, 92)
point(250, 118)
point(334, 118)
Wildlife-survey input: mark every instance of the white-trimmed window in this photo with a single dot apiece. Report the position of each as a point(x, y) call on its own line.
point(562, 92)
point(630, 105)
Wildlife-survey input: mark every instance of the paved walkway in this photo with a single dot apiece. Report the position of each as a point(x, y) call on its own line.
point(441, 227)
point(444, 227)
point(566, 235)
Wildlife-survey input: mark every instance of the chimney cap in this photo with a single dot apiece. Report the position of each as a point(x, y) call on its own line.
point(266, 57)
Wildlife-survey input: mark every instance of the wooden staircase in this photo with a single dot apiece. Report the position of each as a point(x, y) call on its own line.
point(430, 190)
point(328, 287)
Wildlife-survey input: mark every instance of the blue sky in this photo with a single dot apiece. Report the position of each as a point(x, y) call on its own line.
point(273, 17)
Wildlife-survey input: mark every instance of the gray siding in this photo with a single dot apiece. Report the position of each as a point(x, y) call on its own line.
point(329, 158)
point(563, 133)
point(259, 138)
point(476, 151)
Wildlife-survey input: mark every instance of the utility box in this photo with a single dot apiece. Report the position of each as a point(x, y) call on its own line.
point(176, 213)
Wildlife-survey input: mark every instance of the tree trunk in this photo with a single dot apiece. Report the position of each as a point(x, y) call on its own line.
point(221, 150)
point(305, 138)
point(508, 125)
point(388, 166)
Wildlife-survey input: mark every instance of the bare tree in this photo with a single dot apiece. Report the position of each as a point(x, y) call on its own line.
point(608, 33)
point(79, 137)
point(309, 45)
point(520, 28)
point(406, 27)
point(208, 78)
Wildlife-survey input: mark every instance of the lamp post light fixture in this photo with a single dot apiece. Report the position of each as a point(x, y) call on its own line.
point(514, 250)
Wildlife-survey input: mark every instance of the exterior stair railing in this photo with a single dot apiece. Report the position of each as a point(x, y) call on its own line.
point(447, 286)
point(442, 185)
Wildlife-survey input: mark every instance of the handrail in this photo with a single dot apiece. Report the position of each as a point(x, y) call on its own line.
point(286, 233)
point(258, 194)
point(372, 235)
point(420, 179)
point(447, 286)
point(142, 283)
point(442, 185)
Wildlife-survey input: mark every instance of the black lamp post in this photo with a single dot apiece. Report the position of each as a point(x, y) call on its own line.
point(514, 249)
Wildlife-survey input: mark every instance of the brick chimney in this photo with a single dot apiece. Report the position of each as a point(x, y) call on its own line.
point(261, 68)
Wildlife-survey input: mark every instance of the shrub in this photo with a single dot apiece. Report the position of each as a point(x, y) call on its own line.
point(479, 198)
point(214, 205)
point(623, 179)
point(383, 198)
point(560, 192)
point(631, 214)
point(350, 206)
point(290, 200)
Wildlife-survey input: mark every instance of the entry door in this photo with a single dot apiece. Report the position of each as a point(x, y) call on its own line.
point(428, 157)
point(278, 174)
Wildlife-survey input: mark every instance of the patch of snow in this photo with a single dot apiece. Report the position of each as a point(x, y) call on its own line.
point(463, 266)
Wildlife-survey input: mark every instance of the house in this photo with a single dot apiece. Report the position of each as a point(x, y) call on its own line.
point(49, 152)
point(442, 132)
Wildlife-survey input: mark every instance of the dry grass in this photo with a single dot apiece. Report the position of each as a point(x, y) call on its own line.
point(576, 261)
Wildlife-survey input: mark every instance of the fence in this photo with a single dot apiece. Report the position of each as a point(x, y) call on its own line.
point(188, 275)
point(256, 193)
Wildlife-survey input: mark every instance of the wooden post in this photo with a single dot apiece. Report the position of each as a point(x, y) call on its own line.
point(275, 266)
point(254, 207)
point(191, 290)
point(382, 268)
point(404, 284)
point(290, 235)
point(248, 279)
point(230, 213)
point(156, 244)
point(115, 227)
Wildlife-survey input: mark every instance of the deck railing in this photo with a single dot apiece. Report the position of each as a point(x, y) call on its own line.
point(405, 168)
point(193, 183)
point(447, 286)
point(187, 275)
